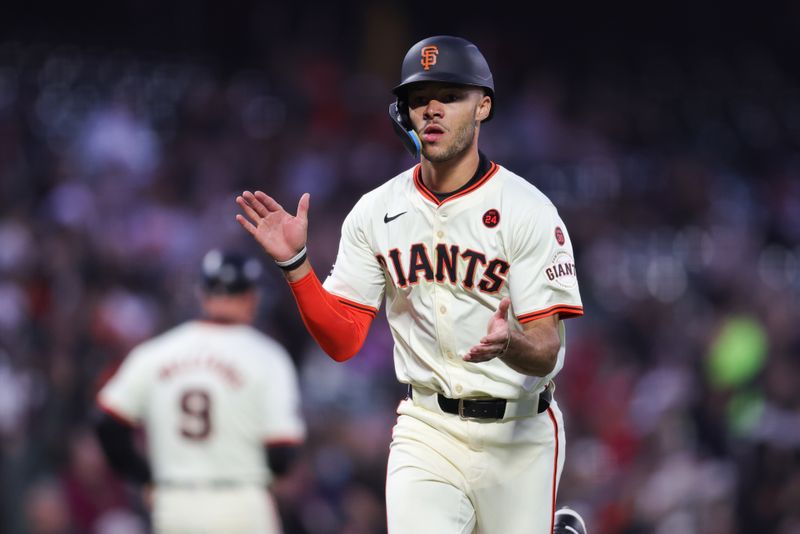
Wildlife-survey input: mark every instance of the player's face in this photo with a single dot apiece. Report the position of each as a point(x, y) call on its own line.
point(446, 117)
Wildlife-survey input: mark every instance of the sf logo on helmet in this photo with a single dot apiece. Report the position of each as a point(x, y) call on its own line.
point(429, 54)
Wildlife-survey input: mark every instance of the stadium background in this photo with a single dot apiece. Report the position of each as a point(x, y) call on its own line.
point(668, 134)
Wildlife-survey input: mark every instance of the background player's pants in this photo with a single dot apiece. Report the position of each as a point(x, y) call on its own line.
point(447, 475)
point(245, 509)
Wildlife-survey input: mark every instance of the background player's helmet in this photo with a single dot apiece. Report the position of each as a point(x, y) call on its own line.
point(227, 273)
point(442, 58)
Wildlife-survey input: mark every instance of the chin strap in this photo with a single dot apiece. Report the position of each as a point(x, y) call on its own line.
point(406, 134)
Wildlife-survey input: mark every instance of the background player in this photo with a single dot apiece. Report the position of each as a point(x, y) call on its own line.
point(453, 245)
point(211, 393)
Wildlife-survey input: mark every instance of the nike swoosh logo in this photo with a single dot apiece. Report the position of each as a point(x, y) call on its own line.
point(388, 219)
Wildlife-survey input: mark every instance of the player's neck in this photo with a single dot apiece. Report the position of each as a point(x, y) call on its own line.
point(447, 176)
point(230, 309)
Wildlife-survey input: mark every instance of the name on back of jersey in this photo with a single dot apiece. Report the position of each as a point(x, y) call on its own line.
point(202, 362)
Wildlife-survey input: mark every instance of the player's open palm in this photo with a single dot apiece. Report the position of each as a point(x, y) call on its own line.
point(495, 342)
point(280, 234)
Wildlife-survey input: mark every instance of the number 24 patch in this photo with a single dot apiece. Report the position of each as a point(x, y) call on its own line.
point(491, 218)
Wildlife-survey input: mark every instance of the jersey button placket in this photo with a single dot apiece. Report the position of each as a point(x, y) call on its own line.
point(441, 296)
point(441, 303)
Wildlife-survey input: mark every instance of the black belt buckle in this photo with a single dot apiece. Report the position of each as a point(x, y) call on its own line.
point(481, 408)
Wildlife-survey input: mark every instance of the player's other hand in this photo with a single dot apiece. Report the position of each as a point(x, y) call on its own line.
point(495, 342)
point(280, 234)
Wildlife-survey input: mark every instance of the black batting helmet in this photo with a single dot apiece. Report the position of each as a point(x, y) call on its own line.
point(448, 59)
point(227, 273)
point(442, 58)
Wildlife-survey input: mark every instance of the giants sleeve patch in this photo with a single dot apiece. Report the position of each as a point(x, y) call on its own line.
point(562, 270)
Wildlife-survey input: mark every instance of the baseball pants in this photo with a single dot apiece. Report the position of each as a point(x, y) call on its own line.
point(243, 509)
point(448, 475)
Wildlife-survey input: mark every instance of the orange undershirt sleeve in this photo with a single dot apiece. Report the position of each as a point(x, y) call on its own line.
point(338, 325)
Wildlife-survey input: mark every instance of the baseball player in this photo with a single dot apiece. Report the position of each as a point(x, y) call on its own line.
point(477, 272)
point(213, 395)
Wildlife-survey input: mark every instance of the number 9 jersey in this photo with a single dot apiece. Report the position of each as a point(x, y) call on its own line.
point(210, 397)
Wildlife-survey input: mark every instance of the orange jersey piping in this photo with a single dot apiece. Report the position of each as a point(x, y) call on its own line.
point(357, 305)
point(555, 470)
point(427, 193)
point(565, 310)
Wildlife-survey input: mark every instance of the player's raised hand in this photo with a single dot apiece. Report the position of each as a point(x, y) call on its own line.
point(280, 234)
point(495, 342)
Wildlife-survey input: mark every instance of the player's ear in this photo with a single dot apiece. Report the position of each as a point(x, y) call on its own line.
point(484, 108)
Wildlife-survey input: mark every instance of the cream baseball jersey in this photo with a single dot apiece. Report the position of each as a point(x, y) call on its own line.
point(210, 397)
point(443, 267)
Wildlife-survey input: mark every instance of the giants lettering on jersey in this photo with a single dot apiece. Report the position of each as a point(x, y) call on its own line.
point(562, 270)
point(470, 268)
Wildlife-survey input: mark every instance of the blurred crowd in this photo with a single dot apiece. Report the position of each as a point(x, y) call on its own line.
point(678, 177)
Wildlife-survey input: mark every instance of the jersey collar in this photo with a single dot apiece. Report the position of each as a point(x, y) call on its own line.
point(486, 169)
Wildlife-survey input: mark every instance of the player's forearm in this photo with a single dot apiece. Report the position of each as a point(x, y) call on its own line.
point(281, 458)
point(116, 440)
point(533, 354)
point(339, 329)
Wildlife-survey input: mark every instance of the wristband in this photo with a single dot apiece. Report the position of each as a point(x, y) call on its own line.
point(295, 262)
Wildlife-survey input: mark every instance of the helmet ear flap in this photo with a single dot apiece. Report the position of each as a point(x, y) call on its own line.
point(398, 112)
